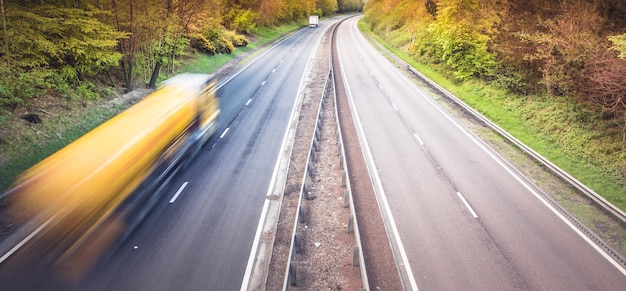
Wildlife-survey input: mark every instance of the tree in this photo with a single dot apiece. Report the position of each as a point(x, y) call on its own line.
point(349, 5)
point(328, 7)
point(563, 46)
point(4, 28)
point(124, 21)
point(460, 35)
point(54, 47)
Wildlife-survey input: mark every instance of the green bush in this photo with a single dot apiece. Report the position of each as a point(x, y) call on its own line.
point(237, 40)
point(202, 44)
point(213, 40)
point(83, 92)
point(22, 85)
point(224, 45)
point(244, 22)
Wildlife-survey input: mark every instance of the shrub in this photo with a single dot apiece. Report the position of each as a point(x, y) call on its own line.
point(202, 44)
point(244, 22)
point(237, 40)
point(224, 45)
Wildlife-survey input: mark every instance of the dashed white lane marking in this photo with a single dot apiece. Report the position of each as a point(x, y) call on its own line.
point(24, 241)
point(249, 100)
point(418, 138)
point(395, 107)
point(380, 86)
point(224, 133)
point(263, 83)
point(180, 190)
point(467, 205)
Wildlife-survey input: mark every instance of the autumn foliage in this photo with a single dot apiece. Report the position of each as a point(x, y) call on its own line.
point(566, 49)
point(65, 47)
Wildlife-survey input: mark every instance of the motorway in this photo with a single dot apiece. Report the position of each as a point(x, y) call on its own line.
point(460, 217)
point(203, 239)
point(200, 235)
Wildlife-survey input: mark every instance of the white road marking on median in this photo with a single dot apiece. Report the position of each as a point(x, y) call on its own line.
point(224, 133)
point(24, 241)
point(418, 138)
point(380, 86)
point(395, 107)
point(263, 83)
point(467, 204)
point(381, 197)
point(180, 190)
point(249, 100)
point(274, 70)
point(286, 139)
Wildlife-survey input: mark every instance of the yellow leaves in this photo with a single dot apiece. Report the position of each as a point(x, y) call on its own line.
point(619, 44)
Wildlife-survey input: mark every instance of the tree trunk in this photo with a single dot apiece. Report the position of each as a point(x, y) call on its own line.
point(155, 75)
point(127, 49)
point(4, 29)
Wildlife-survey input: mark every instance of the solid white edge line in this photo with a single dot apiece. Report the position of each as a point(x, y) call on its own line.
point(41, 227)
point(25, 240)
point(515, 176)
point(259, 231)
point(467, 205)
point(180, 190)
point(376, 179)
point(224, 133)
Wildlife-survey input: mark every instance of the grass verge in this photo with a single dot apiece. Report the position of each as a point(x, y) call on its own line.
point(558, 130)
point(22, 144)
point(203, 63)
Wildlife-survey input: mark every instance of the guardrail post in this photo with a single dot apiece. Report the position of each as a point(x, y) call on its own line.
point(309, 170)
point(297, 243)
point(305, 191)
point(350, 223)
point(355, 256)
point(341, 163)
point(301, 215)
point(346, 198)
point(292, 273)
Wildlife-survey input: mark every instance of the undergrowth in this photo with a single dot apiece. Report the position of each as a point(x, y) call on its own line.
point(23, 144)
point(579, 141)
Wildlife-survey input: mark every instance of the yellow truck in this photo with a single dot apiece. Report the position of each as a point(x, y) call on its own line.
point(78, 191)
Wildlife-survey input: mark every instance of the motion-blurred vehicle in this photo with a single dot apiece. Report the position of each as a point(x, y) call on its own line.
point(93, 191)
point(314, 20)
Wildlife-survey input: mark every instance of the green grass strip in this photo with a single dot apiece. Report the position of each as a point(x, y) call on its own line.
point(547, 125)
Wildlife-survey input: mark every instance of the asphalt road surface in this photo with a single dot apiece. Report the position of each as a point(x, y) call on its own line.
point(199, 235)
point(465, 220)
